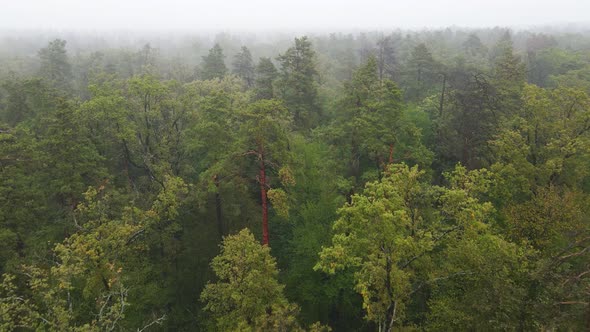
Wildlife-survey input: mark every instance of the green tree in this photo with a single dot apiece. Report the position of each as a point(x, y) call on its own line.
point(146, 59)
point(26, 200)
point(466, 117)
point(401, 236)
point(421, 73)
point(243, 66)
point(55, 66)
point(84, 287)
point(474, 46)
point(548, 140)
point(266, 74)
point(248, 295)
point(211, 137)
point(554, 222)
point(535, 46)
point(213, 65)
point(387, 58)
point(140, 123)
point(371, 123)
point(542, 155)
point(298, 83)
point(46, 163)
point(316, 195)
point(264, 135)
point(25, 100)
point(508, 77)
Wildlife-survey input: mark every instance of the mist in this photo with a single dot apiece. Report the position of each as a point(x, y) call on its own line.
point(306, 166)
point(303, 15)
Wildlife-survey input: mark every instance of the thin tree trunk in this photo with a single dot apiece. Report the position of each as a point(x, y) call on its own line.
point(391, 153)
point(220, 225)
point(390, 327)
point(390, 312)
point(262, 181)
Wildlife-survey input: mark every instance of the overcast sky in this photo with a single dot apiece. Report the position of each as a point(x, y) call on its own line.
point(252, 15)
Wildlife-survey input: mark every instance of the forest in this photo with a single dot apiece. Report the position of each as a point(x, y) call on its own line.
point(401, 180)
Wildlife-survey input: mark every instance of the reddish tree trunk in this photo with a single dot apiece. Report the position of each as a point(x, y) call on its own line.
point(262, 181)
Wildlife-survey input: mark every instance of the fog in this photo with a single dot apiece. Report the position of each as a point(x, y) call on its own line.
point(301, 15)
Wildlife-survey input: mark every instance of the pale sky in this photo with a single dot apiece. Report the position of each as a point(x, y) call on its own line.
point(252, 15)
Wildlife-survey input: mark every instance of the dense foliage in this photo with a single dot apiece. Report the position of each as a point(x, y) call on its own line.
point(432, 180)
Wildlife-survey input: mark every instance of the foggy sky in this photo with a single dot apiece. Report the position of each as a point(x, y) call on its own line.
point(253, 15)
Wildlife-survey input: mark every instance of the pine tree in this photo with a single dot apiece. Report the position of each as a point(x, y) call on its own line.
point(508, 76)
point(213, 65)
point(387, 58)
point(55, 66)
point(298, 83)
point(421, 73)
point(244, 66)
point(264, 136)
point(266, 74)
point(474, 46)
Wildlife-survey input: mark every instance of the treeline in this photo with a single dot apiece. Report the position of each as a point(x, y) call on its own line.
point(434, 180)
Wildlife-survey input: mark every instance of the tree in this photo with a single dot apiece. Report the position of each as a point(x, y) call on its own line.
point(248, 295)
point(397, 235)
point(298, 83)
point(472, 120)
point(211, 138)
point(147, 59)
point(84, 289)
point(55, 66)
point(421, 72)
point(213, 65)
point(371, 123)
point(535, 45)
point(244, 66)
point(474, 46)
point(365, 238)
point(316, 196)
point(387, 58)
point(15, 311)
point(553, 222)
point(266, 74)
point(508, 77)
point(140, 123)
point(47, 161)
point(540, 153)
point(466, 116)
point(548, 140)
point(93, 167)
point(26, 100)
point(264, 135)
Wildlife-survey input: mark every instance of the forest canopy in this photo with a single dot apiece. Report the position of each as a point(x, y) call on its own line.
point(369, 181)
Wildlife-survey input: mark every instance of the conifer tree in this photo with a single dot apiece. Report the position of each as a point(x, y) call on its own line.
point(213, 65)
point(298, 83)
point(55, 66)
point(266, 74)
point(243, 66)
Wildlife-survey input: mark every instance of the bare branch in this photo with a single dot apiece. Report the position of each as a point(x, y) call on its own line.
point(158, 321)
